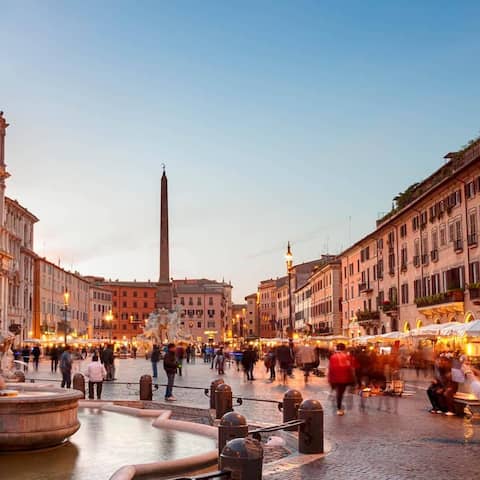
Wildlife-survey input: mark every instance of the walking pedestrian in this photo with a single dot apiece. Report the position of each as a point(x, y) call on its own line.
point(108, 360)
point(220, 361)
point(26, 357)
point(66, 363)
point(170, 367)
point(180, 352)
point(340, 374)
point(36, 356)
point(155, 358)
point(96, 373)
point(248, 362)
point(54, 354)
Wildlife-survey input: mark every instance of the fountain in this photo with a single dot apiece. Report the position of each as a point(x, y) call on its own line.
point(33, 417)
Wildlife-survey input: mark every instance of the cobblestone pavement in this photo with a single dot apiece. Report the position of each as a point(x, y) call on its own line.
point(378, 438)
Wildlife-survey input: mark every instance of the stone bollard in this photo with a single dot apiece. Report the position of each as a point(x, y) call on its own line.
point(223, 400)
point(146, 388)
point(243, 457)
point(310, 434)
point(213, 387)
point(79, 383)
point(232, 425)
point(291, 401)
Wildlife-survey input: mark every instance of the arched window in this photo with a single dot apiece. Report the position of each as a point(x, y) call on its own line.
point(406, 327)
point(384, 330)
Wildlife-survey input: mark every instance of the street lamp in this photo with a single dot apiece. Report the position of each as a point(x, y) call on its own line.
point(66, 299)
point(289, 262)
point(109, 318)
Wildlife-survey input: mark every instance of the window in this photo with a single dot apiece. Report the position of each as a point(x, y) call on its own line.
point(403, 257)
point(135, 293)
point(404, 293)
point(135, 305)
point(435, 284)
point(403, 230)
point(210, 300)
point(470, 189)
point(434, 239)
point(380, 244)
point(182, 301)
point(199, 324)
point(474, 272)
point(145, 304)
point(124, 293)
point(443, 235)
point(417, 288)
point(124, 304)
point(199, 301)
point(145, 294)
point(454, 278)
point(415, 223)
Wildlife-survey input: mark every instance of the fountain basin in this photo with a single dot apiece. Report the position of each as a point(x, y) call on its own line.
point(38, 417)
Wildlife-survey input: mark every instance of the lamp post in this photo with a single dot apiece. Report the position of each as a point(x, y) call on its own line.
point(109, 318)
point(289, 262)
point(66, 299)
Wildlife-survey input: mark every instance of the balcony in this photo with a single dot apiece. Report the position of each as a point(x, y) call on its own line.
point(472, 240)
point(367, 316)
point(458, 245)
point(425, 259)
point(389, 307)
point(416, 261)
point(450, 302)
point(403, 267)
point(434, 255)
point(365, 288)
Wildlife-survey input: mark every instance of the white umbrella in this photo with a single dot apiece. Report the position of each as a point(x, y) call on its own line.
point(471, 329)
point(393, 336)
point(451, 329)
point(427, 330)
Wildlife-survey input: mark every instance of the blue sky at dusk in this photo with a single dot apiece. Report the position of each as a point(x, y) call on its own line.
point(277, 121)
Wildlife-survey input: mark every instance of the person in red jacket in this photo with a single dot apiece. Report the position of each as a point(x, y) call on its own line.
point(340, 374)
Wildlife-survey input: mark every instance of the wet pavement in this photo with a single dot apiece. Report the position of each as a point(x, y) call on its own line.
point(378, 438)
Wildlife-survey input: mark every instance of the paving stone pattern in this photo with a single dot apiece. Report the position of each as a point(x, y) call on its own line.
point(378, 438)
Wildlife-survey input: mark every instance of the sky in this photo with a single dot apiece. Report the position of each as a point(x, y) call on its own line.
point(276, 121)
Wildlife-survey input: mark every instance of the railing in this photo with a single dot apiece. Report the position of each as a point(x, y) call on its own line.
point(440, 298)
point(208, 476)
point(275, 428)
point(366, 315)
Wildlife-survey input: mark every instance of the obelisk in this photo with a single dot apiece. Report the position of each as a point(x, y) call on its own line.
point(164, 290)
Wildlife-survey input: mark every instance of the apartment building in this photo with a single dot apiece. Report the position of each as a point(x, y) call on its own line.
point(19, 223)
point(252, 319)
point(131, 304)
point(207, 306)
point(325, 300)
point(422, 263)
point(59, 295)
point(302, 302)
point(100, 321)
point(267, 310)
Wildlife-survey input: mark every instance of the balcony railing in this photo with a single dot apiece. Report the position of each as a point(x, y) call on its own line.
point(472, 239)
point(440, 298)
point(434, 255)
point(364, 287)
point(389, 307)
point(365, 315)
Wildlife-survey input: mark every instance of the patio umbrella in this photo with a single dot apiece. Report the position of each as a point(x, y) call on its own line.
point(393, 336)
point(451, 329)
point(471, 329)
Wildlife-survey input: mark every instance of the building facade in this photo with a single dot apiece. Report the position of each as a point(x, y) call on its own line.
point(326, 302)
point(267, 308)
point(131, 304)
point(422, 263)
point(252, 318)
point(302, 302)
point(19, 223)
point(100, 319)
point(239, 321)
point(207, 306)
point(59, 295)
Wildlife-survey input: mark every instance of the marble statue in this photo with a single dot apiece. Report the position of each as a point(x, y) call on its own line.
point(166, 324)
